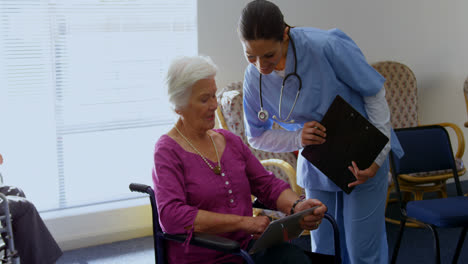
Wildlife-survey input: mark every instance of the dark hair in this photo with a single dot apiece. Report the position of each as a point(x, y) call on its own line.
point(261, 19)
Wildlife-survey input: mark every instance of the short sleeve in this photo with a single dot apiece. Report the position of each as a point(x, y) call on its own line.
point(350, 65)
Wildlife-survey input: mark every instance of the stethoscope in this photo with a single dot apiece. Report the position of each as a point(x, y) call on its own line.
point(263, 114)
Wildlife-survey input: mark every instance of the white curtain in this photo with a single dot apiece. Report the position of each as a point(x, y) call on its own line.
point(82, 93)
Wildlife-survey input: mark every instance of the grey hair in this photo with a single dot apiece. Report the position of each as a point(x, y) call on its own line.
point(183, 73)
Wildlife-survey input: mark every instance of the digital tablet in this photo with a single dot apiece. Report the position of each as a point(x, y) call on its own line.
point(281, 230)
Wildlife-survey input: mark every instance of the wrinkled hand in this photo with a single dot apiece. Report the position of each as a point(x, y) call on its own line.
point(255, 225)
point(362, 175)
point(313, 133)
point(312, 221)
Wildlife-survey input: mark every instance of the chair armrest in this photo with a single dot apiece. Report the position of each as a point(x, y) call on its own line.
point(288, 169)
point(230, 246)
point(141, 188)
point(460, 137)
point(209, 241)
point(336, 236)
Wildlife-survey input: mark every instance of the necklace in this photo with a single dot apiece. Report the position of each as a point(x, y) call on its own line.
point(217, 168)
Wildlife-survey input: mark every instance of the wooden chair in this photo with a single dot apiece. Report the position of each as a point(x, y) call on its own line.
point(402, 98)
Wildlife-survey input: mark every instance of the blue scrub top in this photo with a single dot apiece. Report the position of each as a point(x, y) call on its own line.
point(329, 64)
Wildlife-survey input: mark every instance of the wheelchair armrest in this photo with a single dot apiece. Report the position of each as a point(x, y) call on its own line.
point(336, 236)
point(209, 241)
point(142, 188)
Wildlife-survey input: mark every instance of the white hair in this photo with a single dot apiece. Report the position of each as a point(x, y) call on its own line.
point(183, 73)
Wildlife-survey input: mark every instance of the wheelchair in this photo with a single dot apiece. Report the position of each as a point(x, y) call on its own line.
point(218, 243)
point(7, 245)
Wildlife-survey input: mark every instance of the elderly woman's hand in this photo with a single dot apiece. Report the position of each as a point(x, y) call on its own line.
point(312, 221)
point(255, 225)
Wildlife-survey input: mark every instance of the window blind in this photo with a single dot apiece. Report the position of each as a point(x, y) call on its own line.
point(82, 93)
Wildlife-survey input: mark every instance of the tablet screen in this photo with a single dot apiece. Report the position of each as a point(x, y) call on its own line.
point(281, 230)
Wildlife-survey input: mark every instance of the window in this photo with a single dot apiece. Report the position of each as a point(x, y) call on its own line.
point(82, 94)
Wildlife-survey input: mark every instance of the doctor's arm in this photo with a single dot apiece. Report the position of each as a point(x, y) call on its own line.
point(266, 139)
point(277, 140)
point(379, 115)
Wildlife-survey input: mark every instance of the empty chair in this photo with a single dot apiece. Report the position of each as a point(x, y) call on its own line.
point(402, 97)
point(428, 148)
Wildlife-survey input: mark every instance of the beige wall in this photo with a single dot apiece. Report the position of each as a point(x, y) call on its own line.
point(430, 36)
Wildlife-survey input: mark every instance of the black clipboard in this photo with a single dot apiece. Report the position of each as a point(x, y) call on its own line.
point(350, 137)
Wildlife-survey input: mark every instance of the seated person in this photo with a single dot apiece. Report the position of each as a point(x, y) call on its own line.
point(32, 239)
point(204, 177)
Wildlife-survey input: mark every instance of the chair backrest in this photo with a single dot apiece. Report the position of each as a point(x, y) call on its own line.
point(401, 93)
point(427, 148)
point(232, 118)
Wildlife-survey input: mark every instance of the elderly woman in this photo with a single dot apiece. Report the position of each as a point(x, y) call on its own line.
point(203, 177)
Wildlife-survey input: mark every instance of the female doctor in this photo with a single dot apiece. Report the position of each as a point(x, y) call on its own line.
point(293, 76)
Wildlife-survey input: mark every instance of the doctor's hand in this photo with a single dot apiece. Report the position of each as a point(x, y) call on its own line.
point(362, 175)
point(313, 133)
point(312, 221)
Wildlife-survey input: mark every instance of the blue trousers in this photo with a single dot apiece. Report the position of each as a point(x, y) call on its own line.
point(361, 220)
